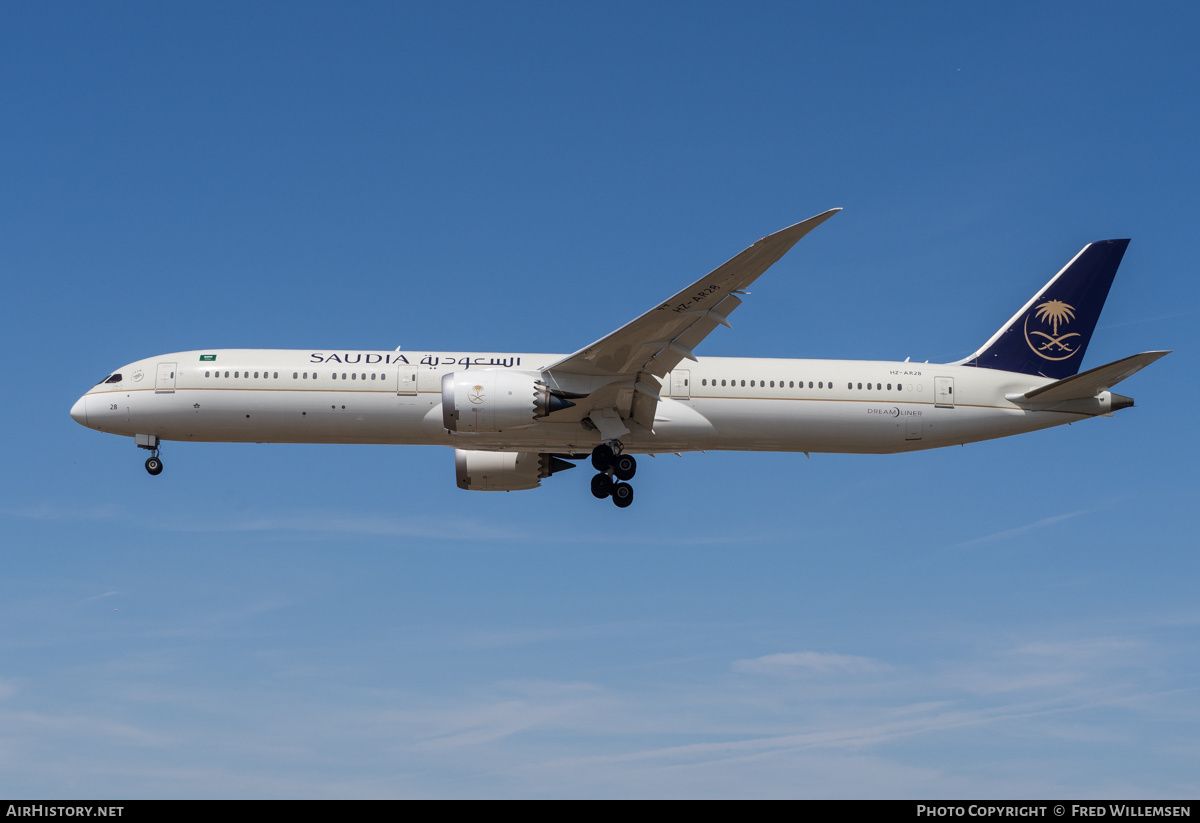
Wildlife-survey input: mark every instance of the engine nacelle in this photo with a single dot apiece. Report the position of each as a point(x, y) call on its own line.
point(496, 400)
point(504, 471)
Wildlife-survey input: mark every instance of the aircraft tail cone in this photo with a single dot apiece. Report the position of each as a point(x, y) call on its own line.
point(1120, 401)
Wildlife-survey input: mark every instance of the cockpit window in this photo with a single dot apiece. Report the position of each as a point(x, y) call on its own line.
point(113, 378)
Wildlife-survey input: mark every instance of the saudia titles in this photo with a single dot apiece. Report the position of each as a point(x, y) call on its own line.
point(427, 360)
point(1052, 345)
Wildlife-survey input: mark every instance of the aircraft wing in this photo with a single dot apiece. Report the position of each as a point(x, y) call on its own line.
point(646, 349)
point(658, 340)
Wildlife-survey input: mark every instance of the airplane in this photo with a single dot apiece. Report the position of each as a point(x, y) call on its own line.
point(514, 419)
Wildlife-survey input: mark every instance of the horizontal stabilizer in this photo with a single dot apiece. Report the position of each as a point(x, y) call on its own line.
point(1091, 382)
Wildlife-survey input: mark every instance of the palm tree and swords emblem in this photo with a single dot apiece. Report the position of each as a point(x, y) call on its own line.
point(1054, 312)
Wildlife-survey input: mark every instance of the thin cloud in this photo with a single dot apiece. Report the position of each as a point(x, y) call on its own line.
point(1019, 530)
point(48, 512)
point(320, 523)
point(98, 597)
point(849, 736)
point(818, 662)
point(374, 526)
point(82, 726)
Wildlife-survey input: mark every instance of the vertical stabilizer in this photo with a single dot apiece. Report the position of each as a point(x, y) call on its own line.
point(1050, 333)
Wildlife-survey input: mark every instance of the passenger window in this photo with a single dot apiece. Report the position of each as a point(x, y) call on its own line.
point(860, 385)
point(722, 382)
point(295, 375)
point(306, 375)
point(343, 375)
point(276, 377)
point(353, 376)
point(743, 383)
point(206, 374)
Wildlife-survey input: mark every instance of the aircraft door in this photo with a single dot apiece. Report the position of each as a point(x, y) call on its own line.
point(680, 384)
point(912, 427)
point(164, 382)
point(943, 388)
point(406, 380)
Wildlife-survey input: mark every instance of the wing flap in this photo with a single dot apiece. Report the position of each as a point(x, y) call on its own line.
point(646, 396)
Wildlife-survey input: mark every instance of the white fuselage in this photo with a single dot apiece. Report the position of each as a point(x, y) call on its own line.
point(747, 404)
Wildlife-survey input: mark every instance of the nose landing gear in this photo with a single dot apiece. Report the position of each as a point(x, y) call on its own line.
point(610, 463)
point(149, 441)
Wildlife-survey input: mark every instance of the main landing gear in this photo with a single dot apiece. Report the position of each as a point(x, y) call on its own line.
point(612, 464)
point(153, 462)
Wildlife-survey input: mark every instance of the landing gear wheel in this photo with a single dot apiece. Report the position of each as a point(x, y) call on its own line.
point(622, 495)
point(602, 457)
point(154, 465)
point(624, 466)
point(602, 486)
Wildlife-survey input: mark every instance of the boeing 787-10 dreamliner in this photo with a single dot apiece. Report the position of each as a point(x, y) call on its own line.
point(513, 419)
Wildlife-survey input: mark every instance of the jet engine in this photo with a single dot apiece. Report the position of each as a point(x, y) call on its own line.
point(496, 400)
point(504, 471)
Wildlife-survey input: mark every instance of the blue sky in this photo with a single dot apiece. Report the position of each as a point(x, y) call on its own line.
point(1009, 619)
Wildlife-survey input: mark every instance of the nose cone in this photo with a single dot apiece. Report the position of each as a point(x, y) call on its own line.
point(79, 411)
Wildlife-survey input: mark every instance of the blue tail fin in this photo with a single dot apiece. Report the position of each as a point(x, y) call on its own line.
point(1050, 333)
